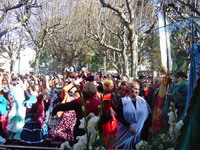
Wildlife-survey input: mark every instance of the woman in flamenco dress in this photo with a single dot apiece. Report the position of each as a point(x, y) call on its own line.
point(34, 131)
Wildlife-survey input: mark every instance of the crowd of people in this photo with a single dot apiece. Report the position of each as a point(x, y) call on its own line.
point(46, 109)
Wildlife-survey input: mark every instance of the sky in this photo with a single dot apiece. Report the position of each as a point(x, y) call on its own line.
point(23, 67)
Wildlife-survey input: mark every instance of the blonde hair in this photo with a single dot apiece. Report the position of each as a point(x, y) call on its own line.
point(108, 84)
point(89, 90)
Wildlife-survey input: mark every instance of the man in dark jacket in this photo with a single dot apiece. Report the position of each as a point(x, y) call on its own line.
point(179, 92)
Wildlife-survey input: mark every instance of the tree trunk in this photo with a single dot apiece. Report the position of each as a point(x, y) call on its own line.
point(37, 62)
point(62, 64)
point(124, 53)
point(104, 63)
point(120, 69)
point(134, 56)
point(125, 64)
point(12, 64)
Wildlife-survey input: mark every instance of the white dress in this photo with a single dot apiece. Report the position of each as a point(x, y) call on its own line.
point(17, 114)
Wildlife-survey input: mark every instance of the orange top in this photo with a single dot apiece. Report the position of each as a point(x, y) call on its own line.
point(65, 96)
point(107, 97)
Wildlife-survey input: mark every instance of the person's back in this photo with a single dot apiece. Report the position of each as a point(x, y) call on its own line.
point(88, 91)
point(179, 92)
point(109, 119)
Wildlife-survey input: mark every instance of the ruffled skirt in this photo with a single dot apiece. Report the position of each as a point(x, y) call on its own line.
point(32, 134)
point(64, 130)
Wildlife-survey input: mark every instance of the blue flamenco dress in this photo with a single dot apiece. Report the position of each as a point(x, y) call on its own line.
point(34, 131)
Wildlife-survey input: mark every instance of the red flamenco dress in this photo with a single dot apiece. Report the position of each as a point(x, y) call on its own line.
point(110, 126)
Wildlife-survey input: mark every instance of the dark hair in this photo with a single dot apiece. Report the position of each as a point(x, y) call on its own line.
point(123, 83)
point(1, 92)
point(181, 74)
point(89, 78)
point(100, 87)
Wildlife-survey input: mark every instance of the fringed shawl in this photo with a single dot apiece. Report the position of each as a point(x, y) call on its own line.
point(136, 117)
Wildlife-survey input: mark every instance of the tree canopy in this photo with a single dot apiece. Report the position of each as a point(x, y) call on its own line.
point(102, 34)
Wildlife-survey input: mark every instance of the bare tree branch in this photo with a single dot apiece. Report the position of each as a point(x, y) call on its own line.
point(25, 18)
point(8, 8)
point(130, 11)
point(194, 9)
point(117, 10)
point(114, 33)
point(95, 37)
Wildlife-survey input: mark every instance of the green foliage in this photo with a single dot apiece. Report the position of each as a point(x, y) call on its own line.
point(44, 57)
point(180, 62)
point(95, 63)
point(179, 50)
point(161, 141)
point(149, 53)
point(32, 64)
point(167, 139)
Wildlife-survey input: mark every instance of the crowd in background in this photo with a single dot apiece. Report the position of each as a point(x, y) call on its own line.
point(46, 109)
